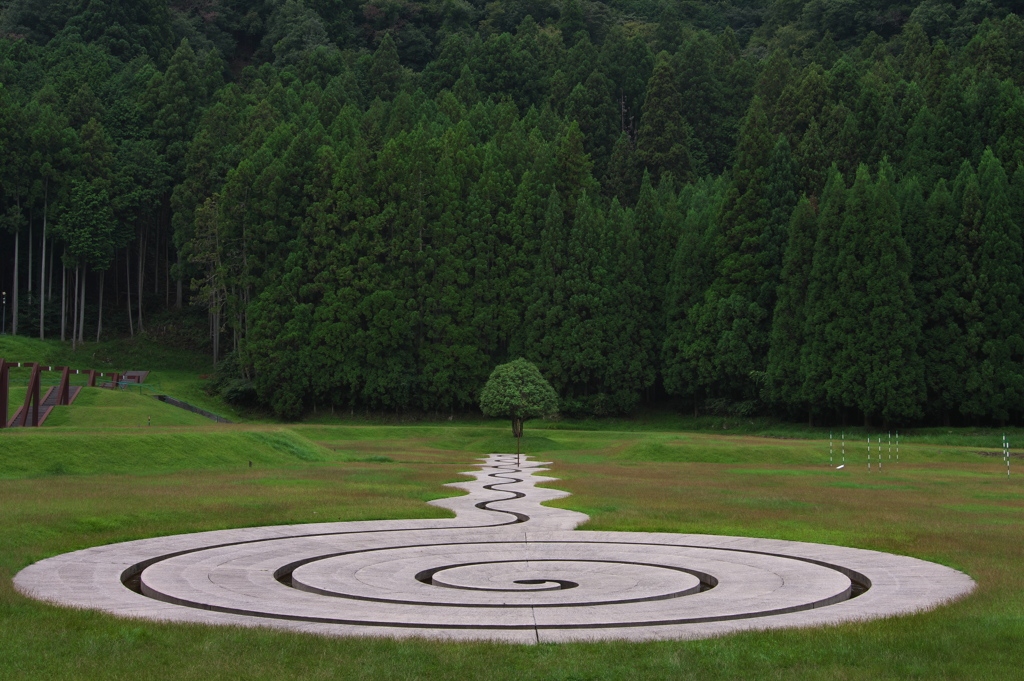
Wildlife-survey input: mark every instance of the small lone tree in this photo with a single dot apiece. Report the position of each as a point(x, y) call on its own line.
point(517, 390)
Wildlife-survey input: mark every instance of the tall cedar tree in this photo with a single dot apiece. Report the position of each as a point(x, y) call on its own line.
point(1000, 288)
point(931, 229)
point(825, 302)
point(785, 368)
point(665, 141)
point(731, 326)
point(692, 270)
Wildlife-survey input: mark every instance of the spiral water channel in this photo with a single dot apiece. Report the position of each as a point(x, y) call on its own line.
point(506, 567)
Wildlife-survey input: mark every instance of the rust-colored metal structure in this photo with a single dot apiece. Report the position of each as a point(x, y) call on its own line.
point(64, 391)
point(31, 399)
point(4, 395)
point(35, 410)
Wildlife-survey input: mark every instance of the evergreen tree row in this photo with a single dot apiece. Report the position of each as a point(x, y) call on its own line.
point(820, 224)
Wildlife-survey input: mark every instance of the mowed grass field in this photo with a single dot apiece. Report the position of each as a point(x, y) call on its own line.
point(72, 486)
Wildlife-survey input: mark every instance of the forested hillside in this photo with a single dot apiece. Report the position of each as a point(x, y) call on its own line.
point(811, 209)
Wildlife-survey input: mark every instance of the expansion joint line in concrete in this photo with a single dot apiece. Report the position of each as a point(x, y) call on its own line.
point(506, 567)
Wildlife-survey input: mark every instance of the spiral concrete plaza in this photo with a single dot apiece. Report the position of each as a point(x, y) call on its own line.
point(505, 568)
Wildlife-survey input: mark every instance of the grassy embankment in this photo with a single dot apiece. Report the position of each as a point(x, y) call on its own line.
point(95, 478)
point(172, 372)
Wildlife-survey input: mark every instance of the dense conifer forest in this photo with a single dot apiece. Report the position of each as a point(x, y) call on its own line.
point(806, 208)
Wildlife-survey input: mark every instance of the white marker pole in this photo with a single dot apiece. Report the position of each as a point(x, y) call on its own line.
point(897, 446)
point(844, 447)
point(890, 445)
point(879, 453)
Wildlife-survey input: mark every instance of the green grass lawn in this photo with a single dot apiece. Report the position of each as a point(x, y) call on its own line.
point(99, 473)
point(66, 487)
point(16, 397)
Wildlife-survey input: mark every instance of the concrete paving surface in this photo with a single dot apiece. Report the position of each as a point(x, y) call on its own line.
point(505, 568)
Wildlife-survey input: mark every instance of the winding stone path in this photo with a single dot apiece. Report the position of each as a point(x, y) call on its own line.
point(505, 568)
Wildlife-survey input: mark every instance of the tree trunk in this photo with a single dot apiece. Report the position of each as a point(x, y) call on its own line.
point(139, 281)
point(177, 285)
point(63, 301)
point(128, 287)
point(42, 273)
point(81, 309)
point(99, 317)
point(517, 427)
point(49, 285)
point(810, 417)
point(14, 301)
point(74, 312)
point(216, 336)
point(30, 258)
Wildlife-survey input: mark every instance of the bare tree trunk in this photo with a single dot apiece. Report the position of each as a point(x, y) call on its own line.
point(42, 270)
point(74, 312)
point(14, 305)
point(99, 317)
point(216, 336)
point(128, 286)
point(63, 301)
point(30, 258)
point(81, 310)
point(177, 286)
point(49, 286)
point(139, 282)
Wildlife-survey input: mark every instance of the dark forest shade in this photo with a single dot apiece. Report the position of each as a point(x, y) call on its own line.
point(777, 207)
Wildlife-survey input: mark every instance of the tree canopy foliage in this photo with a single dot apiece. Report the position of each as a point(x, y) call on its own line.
point(517, 390)
point(807, 208)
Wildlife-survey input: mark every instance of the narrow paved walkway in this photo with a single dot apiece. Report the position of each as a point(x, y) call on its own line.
point(505, 568)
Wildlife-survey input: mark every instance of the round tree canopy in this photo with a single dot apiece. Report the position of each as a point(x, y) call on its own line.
point(517, 390)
